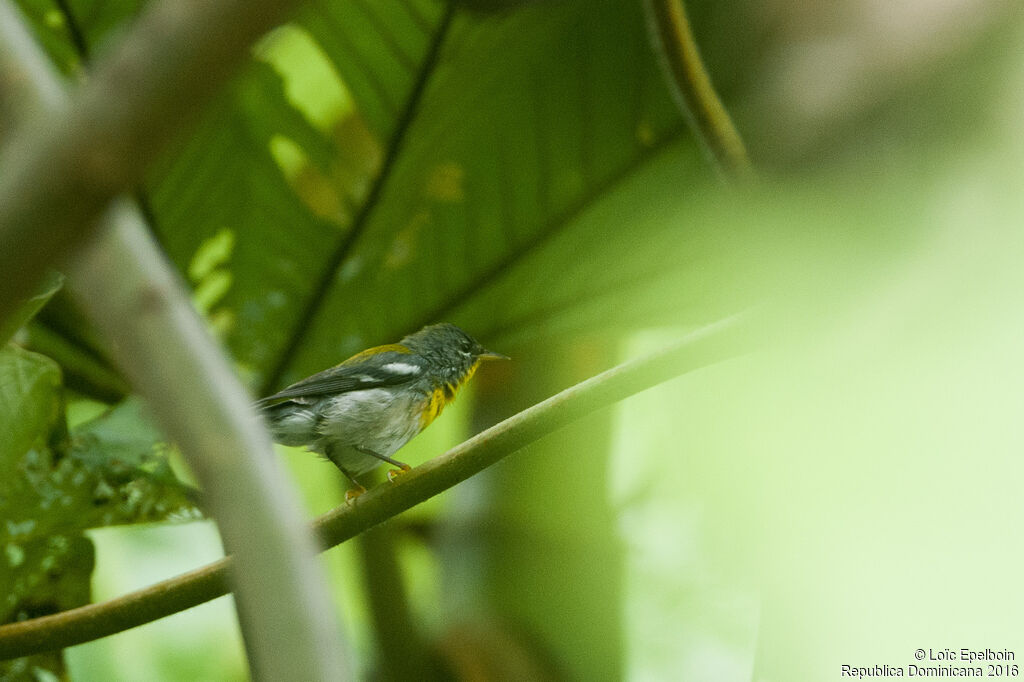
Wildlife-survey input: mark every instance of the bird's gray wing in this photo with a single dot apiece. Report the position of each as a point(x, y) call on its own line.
point(381, 370)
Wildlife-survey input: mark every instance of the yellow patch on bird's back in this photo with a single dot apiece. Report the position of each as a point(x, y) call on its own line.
point(362, 355)
point(444, 395)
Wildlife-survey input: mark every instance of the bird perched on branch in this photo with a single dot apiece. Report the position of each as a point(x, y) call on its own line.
point(359, 413)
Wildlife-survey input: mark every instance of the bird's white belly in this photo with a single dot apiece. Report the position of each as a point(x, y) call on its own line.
point(376, 419)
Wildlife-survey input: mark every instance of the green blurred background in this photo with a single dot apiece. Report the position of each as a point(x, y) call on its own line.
point(845, 495)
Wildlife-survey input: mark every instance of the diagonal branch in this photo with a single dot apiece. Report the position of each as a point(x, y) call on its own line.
point(706, 346)
point(86, 373)
point(63, 168)
point(76, 35)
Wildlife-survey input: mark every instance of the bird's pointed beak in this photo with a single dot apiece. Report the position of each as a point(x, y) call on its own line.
point(491, 355)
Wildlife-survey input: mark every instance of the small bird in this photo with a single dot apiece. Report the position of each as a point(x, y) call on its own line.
point(359, 413)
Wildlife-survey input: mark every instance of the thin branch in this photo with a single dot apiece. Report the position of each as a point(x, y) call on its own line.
point(703, 347)
point(692, 86)
point(136, 300)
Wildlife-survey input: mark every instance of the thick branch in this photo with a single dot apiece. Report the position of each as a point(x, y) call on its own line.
point(704, 347)
point(135, 299)
point(692, 86)
point(64, 167)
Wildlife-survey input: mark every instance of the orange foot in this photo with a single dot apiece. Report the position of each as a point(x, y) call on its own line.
point(393, 473)
point(352, 494)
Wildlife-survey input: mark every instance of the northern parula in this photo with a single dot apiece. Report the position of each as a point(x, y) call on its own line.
point(359, 413)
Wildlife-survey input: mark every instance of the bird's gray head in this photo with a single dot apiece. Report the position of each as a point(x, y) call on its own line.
point(449, 347)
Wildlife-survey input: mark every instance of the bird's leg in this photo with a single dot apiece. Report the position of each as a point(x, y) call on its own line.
point(394, 462)
point(352, 493)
